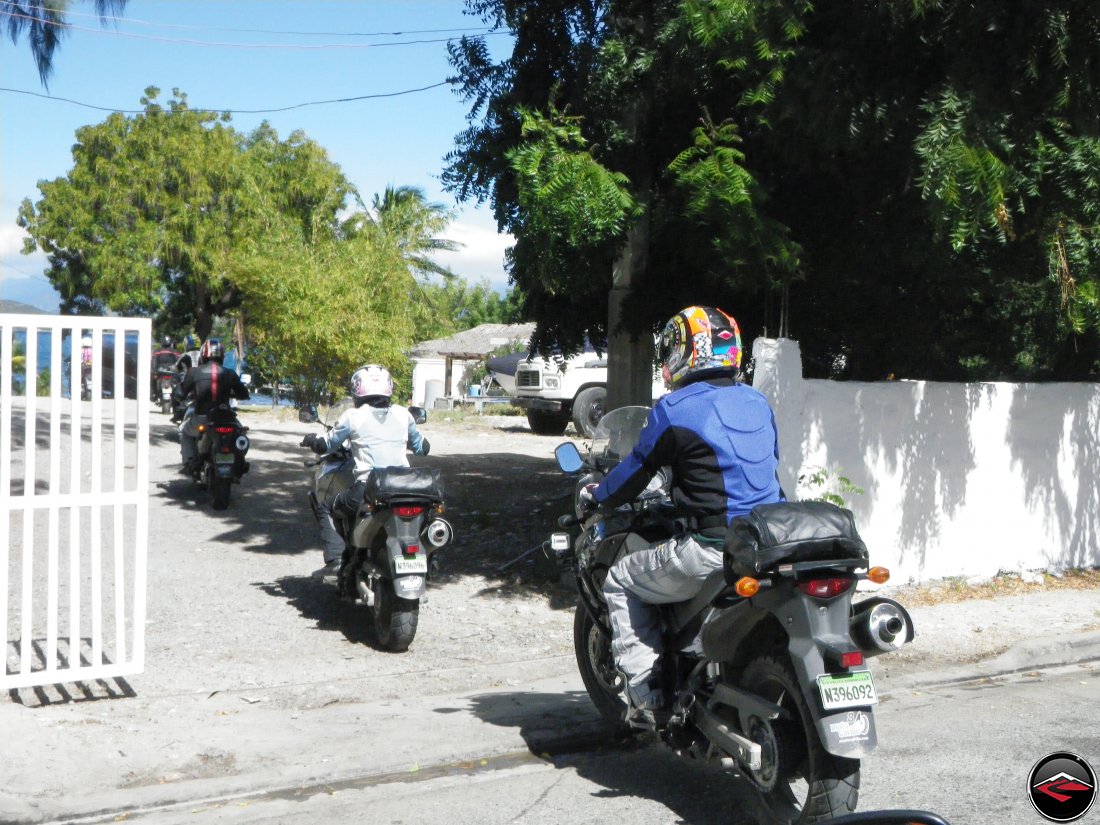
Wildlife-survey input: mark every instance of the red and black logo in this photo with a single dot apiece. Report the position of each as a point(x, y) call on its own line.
point(1062, 786)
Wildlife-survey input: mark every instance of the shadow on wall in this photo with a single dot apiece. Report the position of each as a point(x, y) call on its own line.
point(1054, 439)
point(1012, 471)
point(921, 437)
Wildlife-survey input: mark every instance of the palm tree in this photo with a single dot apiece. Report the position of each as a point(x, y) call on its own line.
point(405, 215)
point(44, 22)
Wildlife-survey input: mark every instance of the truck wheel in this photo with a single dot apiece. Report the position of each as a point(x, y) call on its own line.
point(588, 410)
point(547, 423)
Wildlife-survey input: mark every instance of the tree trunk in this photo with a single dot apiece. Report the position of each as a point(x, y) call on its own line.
point(629, 358)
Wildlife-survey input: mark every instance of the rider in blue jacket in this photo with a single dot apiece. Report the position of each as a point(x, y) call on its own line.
point(718, 438)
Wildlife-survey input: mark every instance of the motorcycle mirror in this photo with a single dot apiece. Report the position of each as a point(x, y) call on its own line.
point(307, 415)
point(419, 414)
point(246, 379)
point(569, 457)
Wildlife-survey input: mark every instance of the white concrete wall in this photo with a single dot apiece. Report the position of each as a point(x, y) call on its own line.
point(434, 369)
point(959, 479)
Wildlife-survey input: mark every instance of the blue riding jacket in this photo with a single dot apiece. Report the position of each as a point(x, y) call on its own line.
point(719, 438)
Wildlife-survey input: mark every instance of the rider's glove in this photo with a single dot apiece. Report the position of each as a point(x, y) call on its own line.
point(315, 443)
point(587, 497)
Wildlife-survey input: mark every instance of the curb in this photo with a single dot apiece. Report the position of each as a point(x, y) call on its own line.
point(1022, 657)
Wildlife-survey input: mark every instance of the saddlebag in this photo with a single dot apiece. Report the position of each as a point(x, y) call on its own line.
point(385, 483)
point(789, 532)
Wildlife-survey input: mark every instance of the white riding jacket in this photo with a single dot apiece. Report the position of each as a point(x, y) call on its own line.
point(377, 437)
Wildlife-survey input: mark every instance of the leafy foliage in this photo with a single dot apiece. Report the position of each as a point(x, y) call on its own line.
point(919, 177)
point(44, 23)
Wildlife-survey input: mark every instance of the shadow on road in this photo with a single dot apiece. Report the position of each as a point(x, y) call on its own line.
point(635, 766)
point(317, 601)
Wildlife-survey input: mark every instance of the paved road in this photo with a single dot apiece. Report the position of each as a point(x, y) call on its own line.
point(927, 758)
point(258, 686)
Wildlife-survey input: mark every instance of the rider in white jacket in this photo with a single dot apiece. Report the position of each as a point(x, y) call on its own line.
point(378, 434)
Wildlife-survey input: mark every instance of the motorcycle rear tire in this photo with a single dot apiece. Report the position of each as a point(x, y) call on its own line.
point(219, 491)
point(166, 407)
point(601, 680)
point(798, 780)
point(395, 619)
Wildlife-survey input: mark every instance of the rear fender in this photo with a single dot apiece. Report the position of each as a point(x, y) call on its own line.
point(814, 631)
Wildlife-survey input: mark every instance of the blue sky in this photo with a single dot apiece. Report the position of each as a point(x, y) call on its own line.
point(253, 54)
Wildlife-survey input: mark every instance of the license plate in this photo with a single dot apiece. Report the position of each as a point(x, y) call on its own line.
point(849, 690)
point(419, 564)
point(224, 458)
point(166, 393)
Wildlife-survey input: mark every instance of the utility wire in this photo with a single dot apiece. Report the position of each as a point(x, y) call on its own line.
point(188, 27)
point(229, 111)
point(222, 45)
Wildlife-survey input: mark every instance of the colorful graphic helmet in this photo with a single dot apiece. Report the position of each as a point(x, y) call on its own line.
point(212, 350)
point(698, 339)
point(371, 380)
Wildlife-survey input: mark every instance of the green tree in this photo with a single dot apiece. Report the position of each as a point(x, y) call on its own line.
point(596, 145)
point(155, 204)
point(921, 177)
point(44, 23)
point(405, 215)
point(316, 311)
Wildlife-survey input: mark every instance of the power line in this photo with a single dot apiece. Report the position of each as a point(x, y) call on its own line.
point(187, 27)
point(229, 111)
point(223, 45)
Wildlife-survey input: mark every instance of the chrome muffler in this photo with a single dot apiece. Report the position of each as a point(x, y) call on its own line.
point(880, 625)
point(438, 533)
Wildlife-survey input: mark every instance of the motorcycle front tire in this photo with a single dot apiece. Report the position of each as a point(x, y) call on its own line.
point(798, 780)
point(603, 683)
point(395, 619)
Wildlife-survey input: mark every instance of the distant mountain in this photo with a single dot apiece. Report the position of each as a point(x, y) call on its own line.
point(17, 308)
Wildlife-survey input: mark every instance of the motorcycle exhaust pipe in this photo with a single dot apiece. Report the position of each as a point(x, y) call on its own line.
point(438, 533)
point(880, 626)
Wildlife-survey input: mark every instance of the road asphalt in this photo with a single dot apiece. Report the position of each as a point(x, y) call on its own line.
point(105, 752)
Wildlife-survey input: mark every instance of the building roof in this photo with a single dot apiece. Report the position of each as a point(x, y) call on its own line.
point(473, 343)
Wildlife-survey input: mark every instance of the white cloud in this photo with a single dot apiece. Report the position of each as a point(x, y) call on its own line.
point(481, 255)
point(11, 239)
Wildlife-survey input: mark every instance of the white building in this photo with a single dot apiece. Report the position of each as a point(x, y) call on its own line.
point(438, 365)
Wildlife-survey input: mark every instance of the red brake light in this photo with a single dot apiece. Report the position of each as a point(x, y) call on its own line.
point(408, 511)
point(412, 549)
point(825, 588)
point(224, 430)
point(853, 659)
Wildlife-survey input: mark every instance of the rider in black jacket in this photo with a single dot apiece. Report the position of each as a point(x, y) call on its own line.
point(210, 385)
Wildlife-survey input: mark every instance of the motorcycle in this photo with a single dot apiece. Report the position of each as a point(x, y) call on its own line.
point(765, 670)
point(162, 386)
point(222, 446)
point(390, 548)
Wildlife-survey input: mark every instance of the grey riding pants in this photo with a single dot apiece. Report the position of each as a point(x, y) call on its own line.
point(668, 572)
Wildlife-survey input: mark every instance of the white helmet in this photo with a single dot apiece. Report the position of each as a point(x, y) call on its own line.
point(371, 380)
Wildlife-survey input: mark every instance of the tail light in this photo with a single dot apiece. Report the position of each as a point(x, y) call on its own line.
point(408, 511)
point(825, 588)
point(224, 430)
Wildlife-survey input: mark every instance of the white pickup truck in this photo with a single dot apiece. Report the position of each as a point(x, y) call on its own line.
point(557, 391)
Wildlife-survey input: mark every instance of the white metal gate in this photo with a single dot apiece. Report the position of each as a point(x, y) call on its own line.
point(74, 508)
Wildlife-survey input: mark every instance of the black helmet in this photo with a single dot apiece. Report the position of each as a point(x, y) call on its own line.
point(212, 350)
